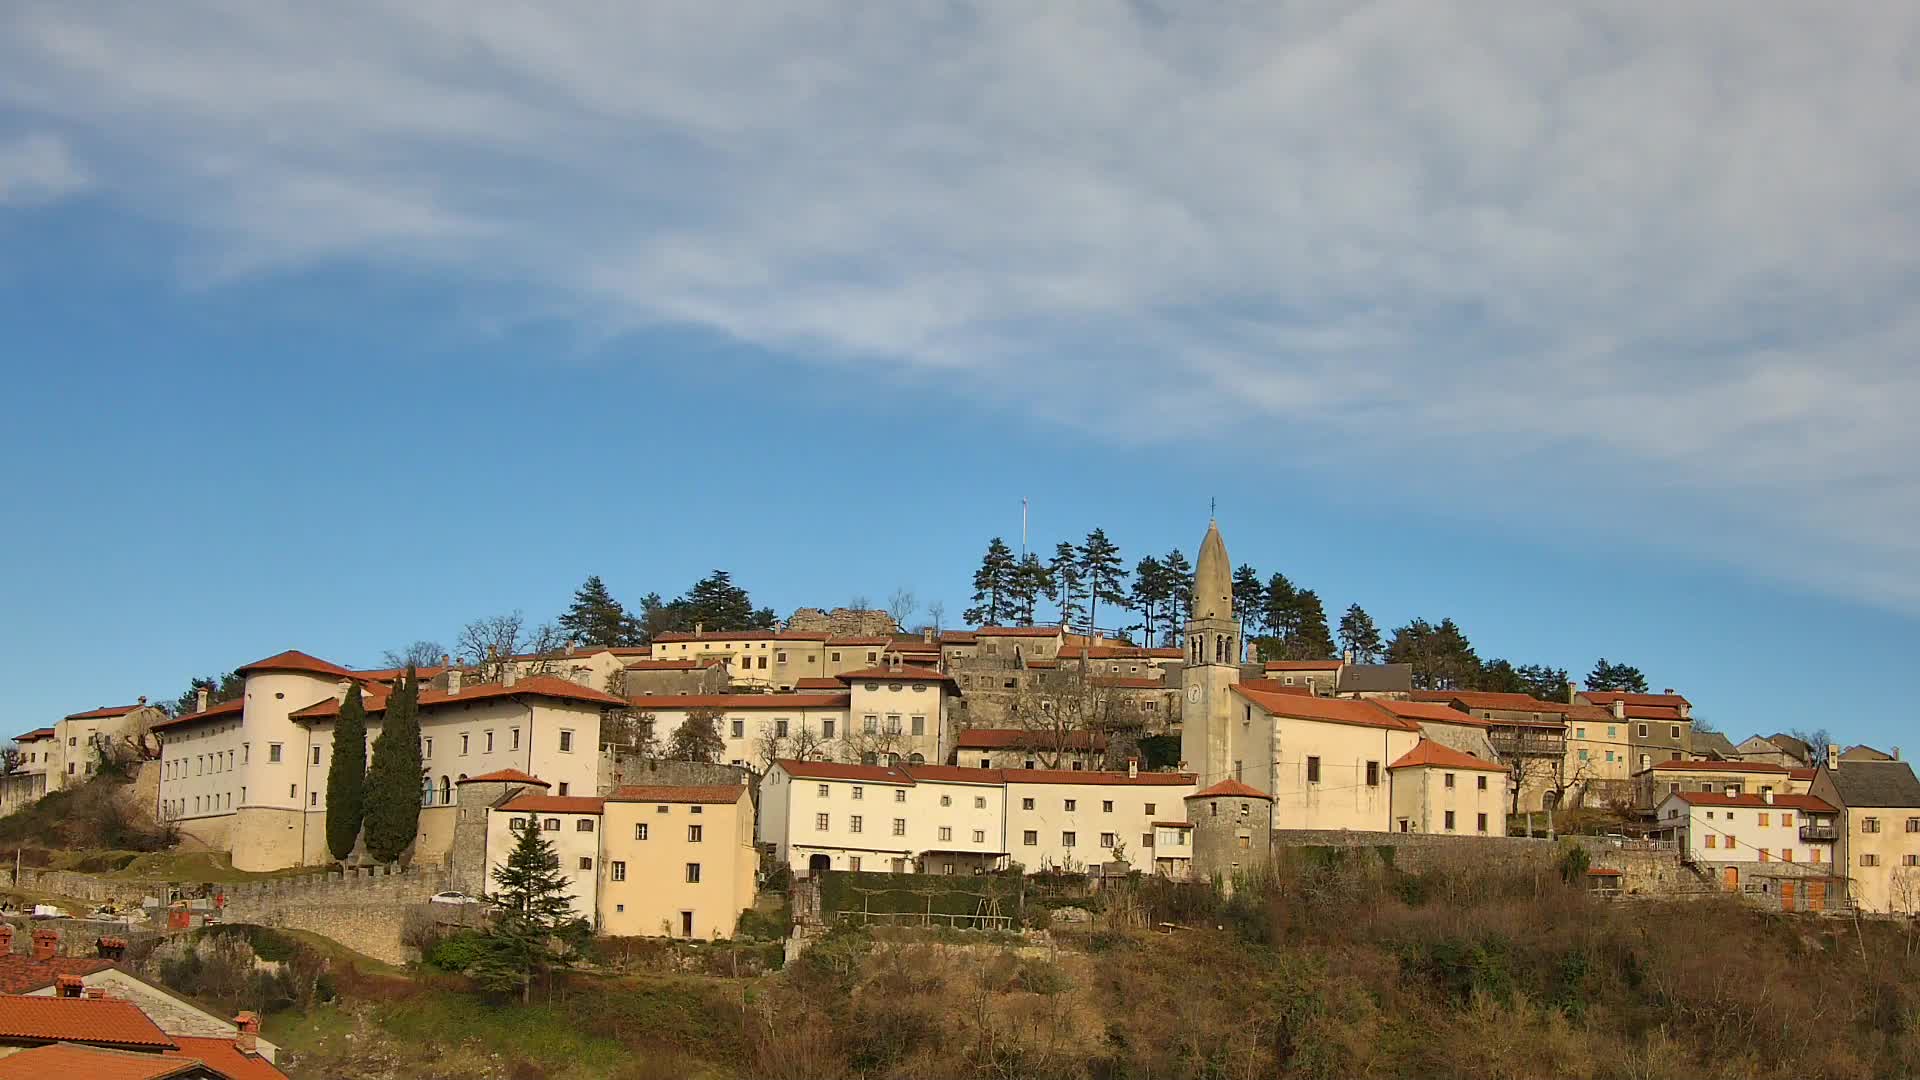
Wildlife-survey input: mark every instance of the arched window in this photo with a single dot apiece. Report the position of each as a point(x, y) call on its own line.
point(446, 791)
point(1219, 648)
point(917, 759)
point(426, 791)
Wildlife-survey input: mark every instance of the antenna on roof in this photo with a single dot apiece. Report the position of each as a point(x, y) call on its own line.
point(1023, 527)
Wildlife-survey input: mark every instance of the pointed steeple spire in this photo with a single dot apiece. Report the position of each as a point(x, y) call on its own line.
point(1213, 578)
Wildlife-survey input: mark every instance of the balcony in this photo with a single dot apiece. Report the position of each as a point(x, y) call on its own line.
point(1510, 743)
point(1812, 834)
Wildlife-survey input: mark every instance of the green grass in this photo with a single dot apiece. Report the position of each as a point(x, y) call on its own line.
point(544, 1034)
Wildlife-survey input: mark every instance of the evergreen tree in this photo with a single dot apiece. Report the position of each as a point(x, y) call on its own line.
point(596, 618)
point(1311, 641)
point(1065, 569)
point(1031, 581)
point(1624, 678)
point(1103, 572)
point(697, 738)
point(1499, 677)
point(993, 586)
point(1180, 574)
point(1249, 600)
point(1152, 594)
point(1441, 656)
point(1359, 636)
point(716, 603)
point(347, 776)
point(1281, 614)
point(394, 780)
point(1544, 682)
point(228, 687)
point(535, 917)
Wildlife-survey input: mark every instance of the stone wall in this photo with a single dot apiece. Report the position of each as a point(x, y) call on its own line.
point(365, 911)
point(842, 622)
point(94, 890)
point(629, 770)
point(1414, 852)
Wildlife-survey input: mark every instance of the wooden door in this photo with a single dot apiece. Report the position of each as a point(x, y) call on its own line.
point(1730, 878)
point(1816, 896)
point(1787, 897)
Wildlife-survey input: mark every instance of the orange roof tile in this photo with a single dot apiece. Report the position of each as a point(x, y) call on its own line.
point(1431, 711)
point(860, 640)
point(1608, 697)
point(660, 793)
point(1500, 702)
point(1331, 710)
point(20, 973)
point(1011, 738)
point(903, 673)
point(105, 712)
point(1802, 774)
point(1070, 776)
point(546, 686)
point(1017, 631)
point(1719, 766)
point(834, 770)
point(953, 774)
point(1429, 754)
point(504, 776)
point(554, 804)
point(35, 735)
point(94, 1063)
point(1275, 686)
point(1303, 665)
point(818, 682)
point(1756, 801)
point(1233, 789)
point(222, 1054)
point(223, 710)
point(295, 660)
point(95, 1021)
point(957, 637)
point(740, 702)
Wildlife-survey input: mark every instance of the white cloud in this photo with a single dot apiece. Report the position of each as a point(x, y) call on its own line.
point(1516, 261)
point(37, 169)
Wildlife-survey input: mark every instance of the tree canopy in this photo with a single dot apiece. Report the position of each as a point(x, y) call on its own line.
point(396, 777)
point(993, 587)
point(1359, 635)
point(697, 738)
point(535, 928)
point(1624, 678)
point(1441, 656)
point(596, 618)
point(347, 776)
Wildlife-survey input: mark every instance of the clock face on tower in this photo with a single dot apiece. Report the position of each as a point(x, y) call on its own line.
point(1193, 694)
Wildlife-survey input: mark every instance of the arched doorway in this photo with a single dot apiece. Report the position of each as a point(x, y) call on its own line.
point(818, 864)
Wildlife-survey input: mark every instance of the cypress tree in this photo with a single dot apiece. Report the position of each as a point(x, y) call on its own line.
point(347, 776)
point(393, 781)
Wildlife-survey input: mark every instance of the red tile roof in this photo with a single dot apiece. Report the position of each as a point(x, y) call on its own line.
point(1118, 652)
point(743, 635)
point(546, 686)
point(1019, 738)
point(861, 640)
point(504, 776)
point(1231, 789)
point(1303, 665)
point(1495, 701)
point(1802, 774)
point(1017, 631)
point(700, 793)
point(903, 673)
point(1430, 754)
point(295, 660)
point(1758, 802)
point(740, 702)
point(36, 735)
point(105, 712)
point(554, 804)
point(222, 1054)
point(1275, 686)
point(1331, 710)
point(673, 665)
point(834, 770)
point(957, 637)
point(223, 711)
point(1174, 824)
point(1069, 776)
point(818, 682)
point(1431, 711)
point(1608, 697)
point(953, 774)
point(94, 1063)
point(1719, 766)
point(98, 1022)
point(20, 973)
point(1127, 682)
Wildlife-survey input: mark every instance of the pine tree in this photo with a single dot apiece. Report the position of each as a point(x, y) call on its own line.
point(1065, 569)
point(535, 911)
point(1499, 677)
point(1105, 575)
point(1180, 574)
point(1281, 615)
point(993, 586)
point(1622, 678)
point(697, 738)
point(1311, 641)
point(1359, 636)
point(1249, 600)
point(716, 603)
point(1441, 656)
point(1152, 594)
point(1544, 682)
point(347, 776)
point(596, 618)
point(1031, 581)
point(395, 778)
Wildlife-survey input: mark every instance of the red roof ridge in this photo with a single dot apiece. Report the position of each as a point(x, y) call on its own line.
point(213, 712)
point(555, 804)
point(1230, 788)
point(667, 793)
point(739, 701)
point(1327, 710)
point(106, 712)
point(503, 776)
point(95, 1021)
point(1429, 754)
point(907, 672)
point(295, 660)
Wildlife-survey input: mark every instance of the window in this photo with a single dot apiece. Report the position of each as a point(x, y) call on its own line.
point(979, 836)
point(1580, 733)
point(854, 823)
point(870, 724)
point(823, 791)
point(1449, 821)
point(780, 729)
point(979, 802)
point(563, 788)
point(919, 725)
point(1643, 731)
point(316, 755)
point(616, 871)
point(1913, 824)
point(1030, 838)
point(313, 798)
point(586, 862)
point(489, 738)
point(273, 752)
point(1765, 818)
point(552, 824)
point(694, 833)
point(1072, 804)
point(1483, 783)
point(1026, 804)
point(1869, 825)
point(1447, 780)
point(1107, 840)
point(293, 790)
point(899, 826)
point(820, 822)
point(1676, 731)
point(1786, 854)
point(1066, 839)
point(465, 740)
point(1868, 858)
point(566, 742)
point(1482, 823)
point(585, 824)
point(826, 729)
point(739, 729)
point(693, 878)
point(946, 834)
point(1373, 774)
point(946, 800)
point(1815, 855)
point(515, 740)
point(640, 831)
point(1106, 806)
point(1910, 860)
point(893, 723)
point(899, 795)
point(1766, 855)
point(1151, 809)
point(853, 863)
point(1313, 770)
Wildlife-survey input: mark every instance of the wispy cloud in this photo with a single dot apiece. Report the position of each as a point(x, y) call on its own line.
point(37, 169)
point(1638, 268)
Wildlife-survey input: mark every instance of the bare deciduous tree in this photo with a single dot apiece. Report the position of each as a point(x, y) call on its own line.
point(901, 606)
point(417, 653)
point(859, 602)
point(1063, 707)
point(936, 616)
point(630, 733)
point(884, 745)
point(489, 644)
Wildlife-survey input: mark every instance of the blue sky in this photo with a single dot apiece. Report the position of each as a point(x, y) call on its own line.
point(1590, 329)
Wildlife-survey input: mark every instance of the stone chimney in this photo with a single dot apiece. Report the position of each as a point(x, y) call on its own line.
point(246, 1040)
point(699, 628)
point(511, 675)
point(1133, 768)
point(200, 700)
point(6, 938)
point(46, 945)
point(1766, 794)
point(1833, 757)
point(68, 986)
point(1619, 710)
point(1347, 657)
point(454, 677)
point(1896, 753)
point(1573, 692)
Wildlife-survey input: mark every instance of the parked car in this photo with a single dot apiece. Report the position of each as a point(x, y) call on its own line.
point(454, 898)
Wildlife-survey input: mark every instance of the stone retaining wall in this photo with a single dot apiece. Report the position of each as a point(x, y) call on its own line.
point(1414, 852)
point(365, 911)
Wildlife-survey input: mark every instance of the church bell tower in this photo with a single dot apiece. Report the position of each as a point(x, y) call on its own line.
point(1212, 666)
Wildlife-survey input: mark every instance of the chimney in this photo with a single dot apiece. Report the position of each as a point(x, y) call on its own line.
point(510, 676)
point(1767, 795)
point(68, 986)
point(1573, 692)
point(143, 701)
point(1668, 691)
point(111, 948)
point(1833, 756)
point(1619, 709)
point(1347, 657)
point(1896, 753)
point(6, 938)
point(453, 681)
point(699, 628)
point(446, 660)
point(200, 700)
point(246, 1039)
point(1133, 768)
point(46, 945)
point(926, 635)
point(569, 648)
point(96, 993)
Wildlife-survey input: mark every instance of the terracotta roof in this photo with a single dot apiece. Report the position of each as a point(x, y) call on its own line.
point(1069, 776)
point(222, 1054)
point(1018, 738)
point(953, 774)
point(740, 702)
point(673, 665)
point(1430, 754)
point(1128, 682)
point(547, 686)
point(833, 770)
point(224, 710)
point(105, 712)
point(1803, 774)
point(1018, 631)
point(855, 640)
point(1275, 686)
point(1231, 789)
point(20, 973)
point(1501, 702)
point(1652, 712)
point(295, 660)
point(1303, 665)
point(1174, 824)
point(1608, 697)
point(1043, 663)
point(35, 735)
point(818, 682)
point(390, 674)
point(94, 1063)
point(1758, 802)
point(504, 776)
point(659, 793)
point(903, 673)
point(1718, 766)
point(1431, 711)
point(1330, 710)
point(1118, 652)
point(554, 804)
point(957, 637)
point(98, 1022)
point(743, 635)
point(913, 645)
